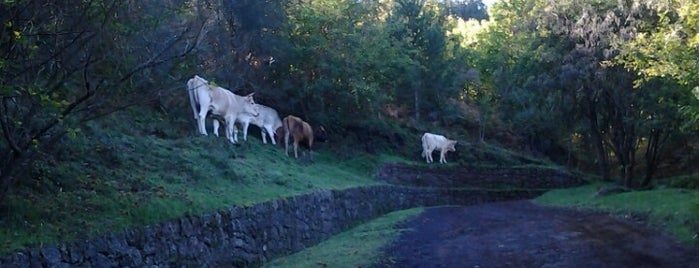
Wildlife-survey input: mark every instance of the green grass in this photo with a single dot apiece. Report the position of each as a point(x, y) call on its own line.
point(676, 211)
point(111, 180)
point(357, 247)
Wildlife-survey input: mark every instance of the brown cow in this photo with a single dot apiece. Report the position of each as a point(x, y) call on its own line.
point(300, 131)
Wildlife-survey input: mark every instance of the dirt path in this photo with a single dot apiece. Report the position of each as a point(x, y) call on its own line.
point(522, 234)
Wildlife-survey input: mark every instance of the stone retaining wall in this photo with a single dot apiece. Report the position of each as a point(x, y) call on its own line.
point(248, 236)
point(446, 176)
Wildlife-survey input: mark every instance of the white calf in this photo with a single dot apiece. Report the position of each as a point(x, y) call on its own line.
point(219, 101)
point(430, 142)
point(268, 121)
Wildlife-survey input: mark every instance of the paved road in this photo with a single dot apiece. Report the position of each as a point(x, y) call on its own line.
point(523, 234)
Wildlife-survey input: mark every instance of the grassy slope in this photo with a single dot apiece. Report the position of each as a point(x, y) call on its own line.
point(676, 211)
point(128, 176)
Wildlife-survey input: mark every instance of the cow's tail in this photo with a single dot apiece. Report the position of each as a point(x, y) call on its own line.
point(193, 101)
point(423, 154)
point(287, 132)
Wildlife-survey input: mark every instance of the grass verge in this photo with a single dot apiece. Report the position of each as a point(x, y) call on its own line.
point(675, 211)
point(357, 247)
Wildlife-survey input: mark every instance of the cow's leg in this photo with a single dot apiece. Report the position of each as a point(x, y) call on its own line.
point(271, 135)
point(216, 125)
point(202, 123)
point(263, 134)
point(246, 124)
point(203, 110)
point(296, 148)
point(230, 127)
point(286, 142)
point(235, 133)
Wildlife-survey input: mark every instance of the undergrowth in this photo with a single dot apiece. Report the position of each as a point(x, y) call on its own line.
point(690, 181)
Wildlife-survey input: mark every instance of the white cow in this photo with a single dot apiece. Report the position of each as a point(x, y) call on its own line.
point(219, 101)
point(268, 121)
point(430, 142)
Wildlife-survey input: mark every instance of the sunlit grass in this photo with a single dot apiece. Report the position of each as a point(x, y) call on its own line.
point(676, 211)
point(357, 247)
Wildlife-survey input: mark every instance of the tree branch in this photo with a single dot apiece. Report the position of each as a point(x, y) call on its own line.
point(4, 120)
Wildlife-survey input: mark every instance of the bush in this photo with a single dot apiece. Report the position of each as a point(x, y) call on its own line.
point(685, 181)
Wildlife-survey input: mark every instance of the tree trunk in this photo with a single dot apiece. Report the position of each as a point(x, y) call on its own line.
point(627, 170)
point(602, 159)
point(417, 106)
point(651, 155)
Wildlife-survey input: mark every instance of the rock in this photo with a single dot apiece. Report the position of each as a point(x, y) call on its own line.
point(610, 190)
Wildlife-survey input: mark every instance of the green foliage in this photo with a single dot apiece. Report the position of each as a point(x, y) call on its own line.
point(342, 60)
point(666, 49)
point(357, 247)
point(685, 182)
point(68, 62)
point(554, 89)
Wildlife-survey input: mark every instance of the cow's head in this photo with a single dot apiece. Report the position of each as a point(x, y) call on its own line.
point(451, 145)
point(249, 106)
point(279, 135)
point(319, 134)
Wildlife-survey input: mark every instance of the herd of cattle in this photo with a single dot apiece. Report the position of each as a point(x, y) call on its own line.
point(229, 108)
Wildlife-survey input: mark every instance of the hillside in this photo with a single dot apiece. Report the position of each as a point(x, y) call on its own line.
point(150, 168)
point(139, 167)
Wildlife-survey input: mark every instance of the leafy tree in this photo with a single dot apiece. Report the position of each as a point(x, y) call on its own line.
point(64, 63)
point(244, 43)
point(667, 47)
point(556, 57)
point(341, 63)
point(468, 9)
point(663, 121)
point(436, 72)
